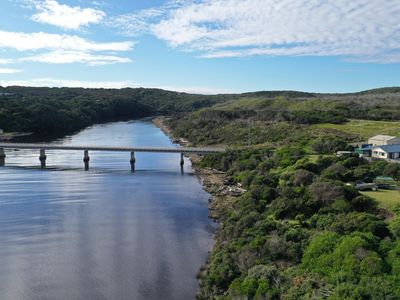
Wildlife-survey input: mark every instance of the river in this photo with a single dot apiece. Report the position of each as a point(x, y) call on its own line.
point(106, 233)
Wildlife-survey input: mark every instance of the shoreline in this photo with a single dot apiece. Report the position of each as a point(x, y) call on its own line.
point(212, 181)
point(223, 197)
point(160, 123)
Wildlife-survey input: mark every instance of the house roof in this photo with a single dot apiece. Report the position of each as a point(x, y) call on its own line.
point(389, 148)
point(366, 148)
point(382, 137)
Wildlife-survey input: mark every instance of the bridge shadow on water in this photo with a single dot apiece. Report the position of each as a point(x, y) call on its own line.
point(179, 171)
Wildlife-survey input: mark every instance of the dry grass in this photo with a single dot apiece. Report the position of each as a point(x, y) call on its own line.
point(365, 128)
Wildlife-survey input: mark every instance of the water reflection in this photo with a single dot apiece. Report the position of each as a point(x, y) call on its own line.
point(106, 233)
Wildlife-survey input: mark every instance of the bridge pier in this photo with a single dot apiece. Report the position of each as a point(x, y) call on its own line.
point(86, 159)
point(2, 157)
point(182, 163)
point(133, 161)
point(42, 158)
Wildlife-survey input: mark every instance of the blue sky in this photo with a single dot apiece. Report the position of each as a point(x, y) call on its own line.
point(204, 46)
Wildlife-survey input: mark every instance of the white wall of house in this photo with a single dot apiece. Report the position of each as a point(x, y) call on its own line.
point(383, 140)
point(379, 153)
point(1, 131)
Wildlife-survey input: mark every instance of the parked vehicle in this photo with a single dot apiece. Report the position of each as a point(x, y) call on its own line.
point(362, 186)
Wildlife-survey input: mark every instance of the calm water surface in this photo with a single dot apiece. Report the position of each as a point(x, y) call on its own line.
point(103, 234)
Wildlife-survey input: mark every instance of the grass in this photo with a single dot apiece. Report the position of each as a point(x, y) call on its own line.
point(365, 128)
point(314, 157)
point(240, 104)
point(385, 198)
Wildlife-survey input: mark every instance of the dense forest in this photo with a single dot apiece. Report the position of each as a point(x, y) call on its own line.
point(301, 230)
point(63, 110)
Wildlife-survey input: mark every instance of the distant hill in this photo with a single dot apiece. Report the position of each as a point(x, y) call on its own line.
point(385, 90)
point(37, 91)
point(61, 110)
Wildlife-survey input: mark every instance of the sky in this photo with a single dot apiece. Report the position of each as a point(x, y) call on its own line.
point(201, 46)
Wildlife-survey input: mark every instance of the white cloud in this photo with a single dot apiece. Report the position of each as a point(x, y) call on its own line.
point(361, 30)
point(5, 61)
point(51, 82)
point(62, 48)
point(64, 16)
point(67, 57)
point(41, 40)
point(9, 71)
point(135, 24)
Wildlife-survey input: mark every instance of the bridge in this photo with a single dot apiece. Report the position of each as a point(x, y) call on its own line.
point(86, 158)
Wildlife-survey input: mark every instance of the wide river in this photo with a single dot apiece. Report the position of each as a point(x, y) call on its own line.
point(106, 233)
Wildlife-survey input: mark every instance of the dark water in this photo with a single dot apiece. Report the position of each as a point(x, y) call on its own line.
point(103, 234)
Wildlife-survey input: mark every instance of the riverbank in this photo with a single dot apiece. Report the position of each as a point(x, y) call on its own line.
point(223, 197)
point(214, 182)
point(160, 122)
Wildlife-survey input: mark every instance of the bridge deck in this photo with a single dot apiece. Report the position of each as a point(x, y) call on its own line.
point(107, 148)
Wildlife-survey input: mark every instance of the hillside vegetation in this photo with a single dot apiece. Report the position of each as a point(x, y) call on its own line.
point(365, 128)
point(300, 231)
point(62, 110)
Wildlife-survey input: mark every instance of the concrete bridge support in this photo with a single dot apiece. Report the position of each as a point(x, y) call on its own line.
point(182, 163)
point(2, 157)
point(86, 159)
point(133, 161)
point(42, 158)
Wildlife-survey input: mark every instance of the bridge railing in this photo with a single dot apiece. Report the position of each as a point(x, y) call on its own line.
point(87, 148)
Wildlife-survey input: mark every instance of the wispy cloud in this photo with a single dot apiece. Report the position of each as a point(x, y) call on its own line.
point(64, 16)
point(5, 61)
point(62, 48)
point(52, 82)
point(41, 40)
point(67, 57)
point(136, 23)
point(9, 71)
point(366, 31)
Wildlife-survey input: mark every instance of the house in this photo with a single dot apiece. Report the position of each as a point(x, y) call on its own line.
point(364, 150)
point(380, 147)
point(386, 152)
point(1, 131)
point(379, 140)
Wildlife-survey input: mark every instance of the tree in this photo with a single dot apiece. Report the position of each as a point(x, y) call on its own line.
point(325, 192)
point(303, 177)
point(392, 170)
